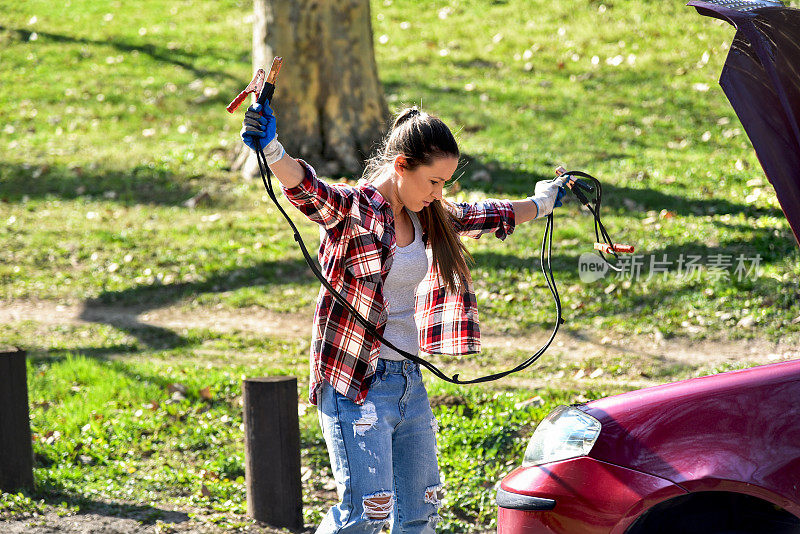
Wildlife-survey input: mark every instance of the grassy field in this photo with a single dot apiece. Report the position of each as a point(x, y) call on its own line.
point(113, 116)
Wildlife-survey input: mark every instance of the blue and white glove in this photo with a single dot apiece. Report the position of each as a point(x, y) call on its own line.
point(259, 131)
point(548, 194)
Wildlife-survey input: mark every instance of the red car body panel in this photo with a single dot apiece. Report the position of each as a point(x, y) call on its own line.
point(737, 431)
point(592, 497)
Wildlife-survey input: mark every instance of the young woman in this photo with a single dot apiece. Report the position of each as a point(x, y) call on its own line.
point(391, 246)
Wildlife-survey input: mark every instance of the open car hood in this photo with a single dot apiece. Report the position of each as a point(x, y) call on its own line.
point(761, 78)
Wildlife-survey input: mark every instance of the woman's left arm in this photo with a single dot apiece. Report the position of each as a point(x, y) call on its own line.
point(478, 218)
point(524, 210)
point(502, 216)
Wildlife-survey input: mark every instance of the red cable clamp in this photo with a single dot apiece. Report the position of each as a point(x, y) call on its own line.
point(255, 86)
point(606, 248)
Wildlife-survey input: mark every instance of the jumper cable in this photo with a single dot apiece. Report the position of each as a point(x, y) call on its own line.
point(264, 96)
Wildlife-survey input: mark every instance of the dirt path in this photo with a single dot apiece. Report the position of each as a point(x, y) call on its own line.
point(568, 346)
point(104, 522)
point(253, 319)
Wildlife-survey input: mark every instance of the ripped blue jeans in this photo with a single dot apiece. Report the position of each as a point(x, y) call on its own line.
point(383, 454)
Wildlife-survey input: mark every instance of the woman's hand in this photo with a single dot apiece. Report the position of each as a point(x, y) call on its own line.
point(259, 132)
point(547, 195)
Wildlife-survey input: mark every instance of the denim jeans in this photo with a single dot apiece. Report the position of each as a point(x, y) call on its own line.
point(383, 454)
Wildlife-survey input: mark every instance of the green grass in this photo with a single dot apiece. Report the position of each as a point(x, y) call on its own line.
point(110, 434)
point(110, 126)
point(112, 116)
point(113, 428)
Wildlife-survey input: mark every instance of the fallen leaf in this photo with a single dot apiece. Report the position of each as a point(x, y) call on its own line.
point(306, 473)
point(200, 199)
point(175, 387)
point(533, 401)
point(482, 175)
point(658, 336)
point(631, 205)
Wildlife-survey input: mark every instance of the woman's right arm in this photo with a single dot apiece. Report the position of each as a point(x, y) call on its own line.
point(288, 171)
point(324, 204)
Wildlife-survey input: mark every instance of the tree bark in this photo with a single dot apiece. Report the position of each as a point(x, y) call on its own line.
point(328, 100)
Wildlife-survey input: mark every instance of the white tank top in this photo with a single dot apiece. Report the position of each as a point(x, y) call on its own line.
point(408, 269)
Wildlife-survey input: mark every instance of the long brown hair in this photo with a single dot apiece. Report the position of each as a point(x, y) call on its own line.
point(422, 138)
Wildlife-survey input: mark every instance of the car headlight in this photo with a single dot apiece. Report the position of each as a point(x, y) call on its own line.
point(566, 432)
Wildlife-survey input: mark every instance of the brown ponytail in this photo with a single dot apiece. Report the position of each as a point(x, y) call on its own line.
point(422, 138)
point(449, 253)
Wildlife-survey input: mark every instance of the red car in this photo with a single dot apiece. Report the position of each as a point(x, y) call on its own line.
point(712, 455)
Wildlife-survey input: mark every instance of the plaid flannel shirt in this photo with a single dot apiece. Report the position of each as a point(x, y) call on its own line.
point(356, 252)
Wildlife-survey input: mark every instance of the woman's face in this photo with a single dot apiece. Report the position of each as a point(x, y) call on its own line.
point(419, 187)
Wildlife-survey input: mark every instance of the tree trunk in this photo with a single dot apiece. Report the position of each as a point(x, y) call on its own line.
point(328, 100)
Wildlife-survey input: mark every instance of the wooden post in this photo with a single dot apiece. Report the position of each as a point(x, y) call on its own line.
point(16, 452)
point(272, 451)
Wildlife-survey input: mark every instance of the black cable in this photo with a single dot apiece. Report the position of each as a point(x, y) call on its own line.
point(599, 229)
point(547, 270)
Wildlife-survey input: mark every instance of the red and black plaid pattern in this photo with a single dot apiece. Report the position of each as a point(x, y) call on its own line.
point(356, 254)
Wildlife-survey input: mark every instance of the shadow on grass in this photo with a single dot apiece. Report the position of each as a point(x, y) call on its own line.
point(616, 200)
point(56, 495)
point(173, 56)
point(731, 265)
point(671, 254)
point(121, 309)
point(742, 274)
point(138, 185)
point(145, 185)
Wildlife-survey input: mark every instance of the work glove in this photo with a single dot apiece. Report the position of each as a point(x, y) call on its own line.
point(259, 131)
point(548, 194)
